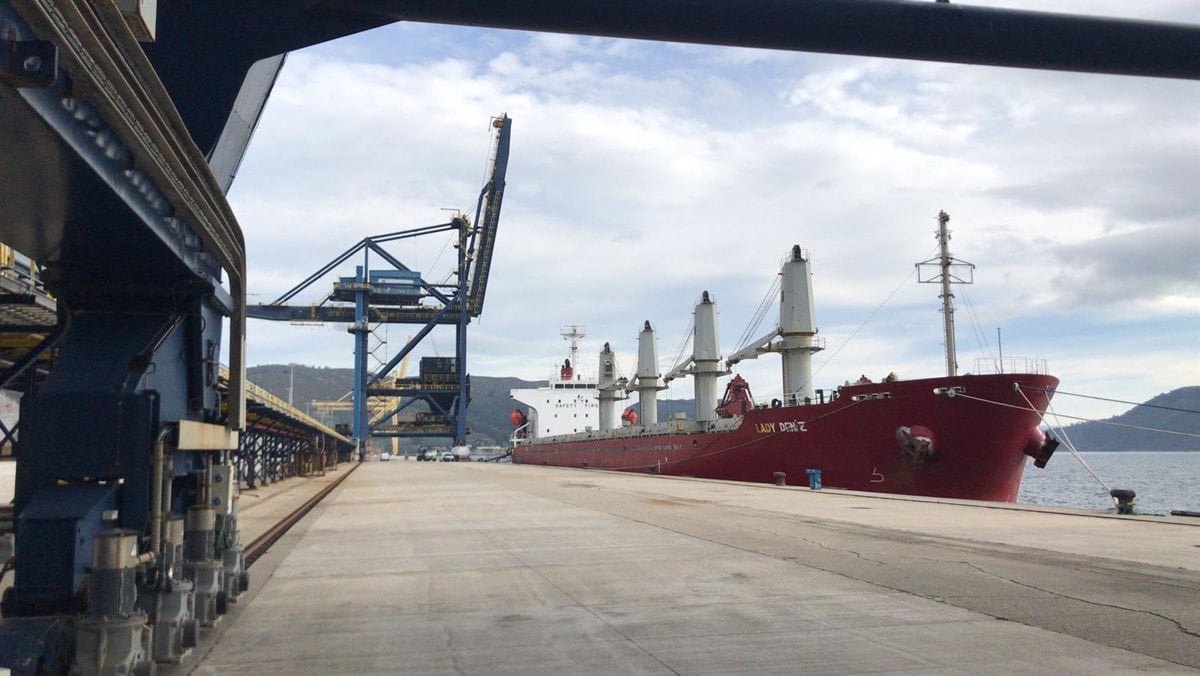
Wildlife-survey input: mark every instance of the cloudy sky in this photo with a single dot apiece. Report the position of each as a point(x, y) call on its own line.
point(643, 173)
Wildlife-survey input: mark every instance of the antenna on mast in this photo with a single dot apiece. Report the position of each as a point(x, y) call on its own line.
point(950, 270)
point(573, 334)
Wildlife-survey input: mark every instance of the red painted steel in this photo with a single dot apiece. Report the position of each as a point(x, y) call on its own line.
point(979, 447)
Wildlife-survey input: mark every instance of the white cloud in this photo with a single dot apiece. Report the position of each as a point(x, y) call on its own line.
point(642, 174)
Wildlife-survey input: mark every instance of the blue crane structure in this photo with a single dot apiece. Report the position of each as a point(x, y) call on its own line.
point(116, 157)
point(398, 295)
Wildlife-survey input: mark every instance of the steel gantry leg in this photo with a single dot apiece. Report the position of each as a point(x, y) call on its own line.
point(360, 330)
point(127, 436)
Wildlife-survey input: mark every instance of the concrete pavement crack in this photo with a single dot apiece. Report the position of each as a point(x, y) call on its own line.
point(876, 583)
point(1177, 623)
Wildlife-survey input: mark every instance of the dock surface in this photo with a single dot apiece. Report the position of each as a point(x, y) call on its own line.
point(430, 568)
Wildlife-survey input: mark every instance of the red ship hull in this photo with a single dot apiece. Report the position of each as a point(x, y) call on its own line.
point(980, 438)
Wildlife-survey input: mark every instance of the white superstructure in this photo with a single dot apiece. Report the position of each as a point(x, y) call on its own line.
point(568, 404)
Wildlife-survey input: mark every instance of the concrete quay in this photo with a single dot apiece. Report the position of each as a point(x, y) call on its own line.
point(429, 568)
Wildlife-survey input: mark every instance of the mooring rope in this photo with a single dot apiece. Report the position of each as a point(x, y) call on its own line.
point(1075, 417)
point(1067, 441)
point(1115, 401)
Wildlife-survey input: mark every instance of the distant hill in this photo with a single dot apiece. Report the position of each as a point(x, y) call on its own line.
point(1177, 413)
point(490, 407)
point(312, 383)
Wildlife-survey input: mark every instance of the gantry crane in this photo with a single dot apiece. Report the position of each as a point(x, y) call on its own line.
point(378, 408)
point(397, 294)
point(117, 159)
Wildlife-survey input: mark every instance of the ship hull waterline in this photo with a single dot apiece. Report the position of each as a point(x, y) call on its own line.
point(979, 439)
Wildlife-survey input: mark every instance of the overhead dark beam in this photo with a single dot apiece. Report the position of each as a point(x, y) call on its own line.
point(927, 30)
point(204, 50)
point(344, 314)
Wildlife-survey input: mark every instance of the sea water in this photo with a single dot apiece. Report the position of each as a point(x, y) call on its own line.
point(1162, 481)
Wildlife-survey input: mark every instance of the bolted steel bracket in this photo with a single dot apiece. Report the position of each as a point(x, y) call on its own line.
point(28, 63)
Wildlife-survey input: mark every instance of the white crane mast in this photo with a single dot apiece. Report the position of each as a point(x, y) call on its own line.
point(796, 331)
point(609, 389)
point(648, 378)
point(706, 359)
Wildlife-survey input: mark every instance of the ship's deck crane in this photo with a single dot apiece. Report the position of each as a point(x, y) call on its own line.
point(117, 158)
point(795, 337)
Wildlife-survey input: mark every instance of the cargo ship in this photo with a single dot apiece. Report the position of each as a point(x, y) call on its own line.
point(954, 436)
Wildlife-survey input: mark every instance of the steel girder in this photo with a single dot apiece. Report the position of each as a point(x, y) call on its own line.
point(103, 186)
point(905, 29)
point(453, 309)
point(271, 450)
point(223, 39)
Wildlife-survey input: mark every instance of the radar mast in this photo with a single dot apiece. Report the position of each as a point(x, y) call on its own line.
point(574, 334)
point(950, 270)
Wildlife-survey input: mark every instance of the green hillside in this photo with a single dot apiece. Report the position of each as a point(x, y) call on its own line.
point(490, 406)
point(311, 383)
point(1177, 411)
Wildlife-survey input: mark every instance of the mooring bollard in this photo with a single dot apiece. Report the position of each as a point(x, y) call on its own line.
point(780, 479)
point(1124, 499)
point(814, 479)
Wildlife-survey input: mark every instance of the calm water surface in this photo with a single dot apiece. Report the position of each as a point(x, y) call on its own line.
point(1162, 481)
